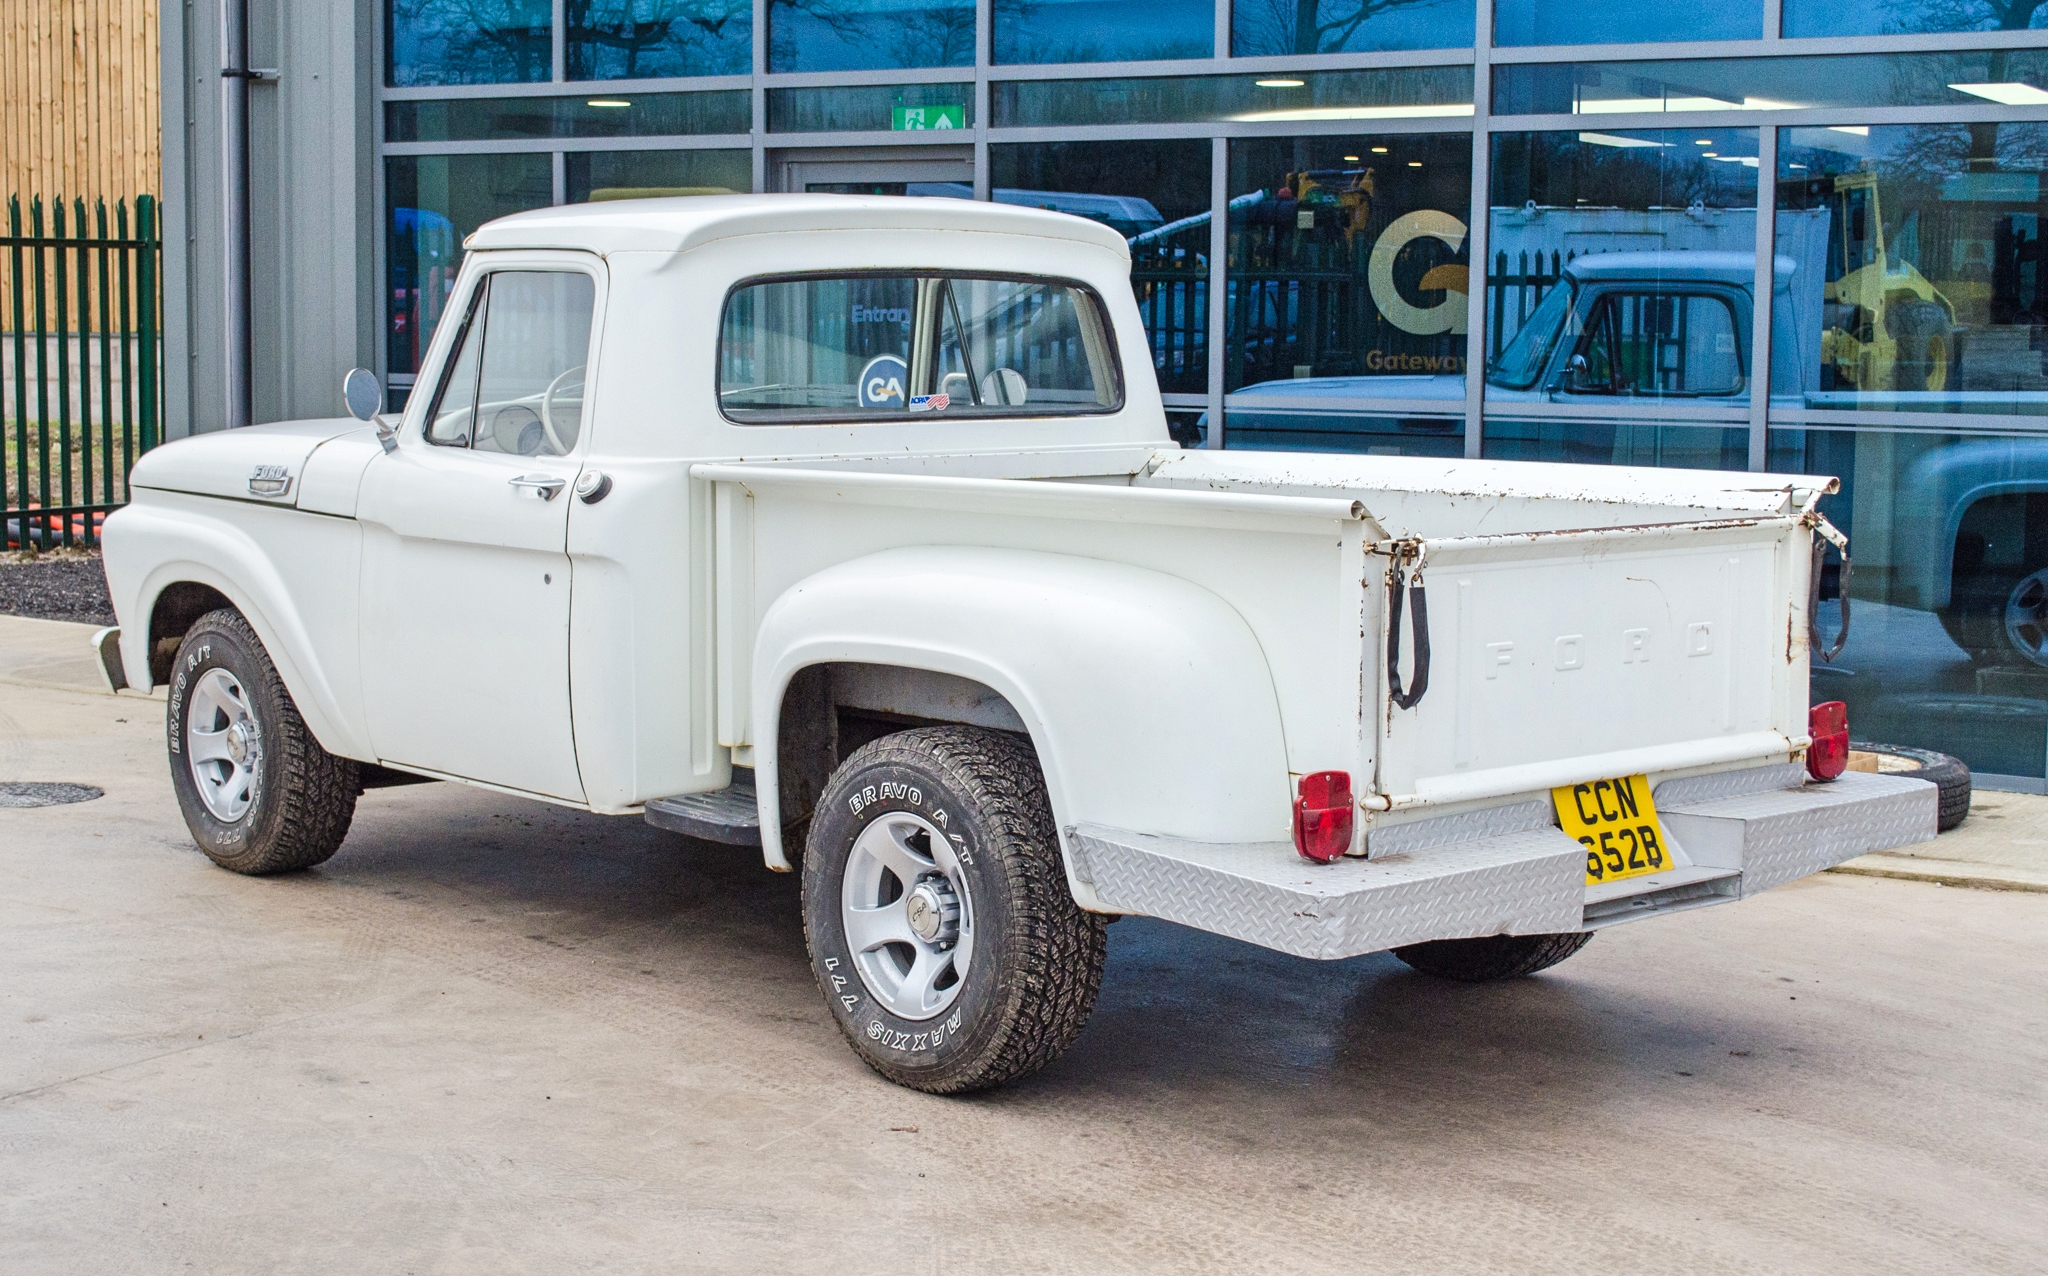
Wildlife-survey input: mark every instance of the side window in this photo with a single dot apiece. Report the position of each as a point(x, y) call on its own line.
point(1658, 344)
point(454, 410)
point(868, 346)
point(515, 383)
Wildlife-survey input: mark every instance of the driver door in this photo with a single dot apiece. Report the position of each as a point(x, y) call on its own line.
point(465, 577)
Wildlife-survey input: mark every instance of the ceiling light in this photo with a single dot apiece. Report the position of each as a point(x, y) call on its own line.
point(1350, 159)
point(1858, 130)
point(2005, 93)
point(1379, 150)
point(1703, 141)
point(1609, 139)
point(1279, 84)
point(1415, 163)
point(1708, 155)
point(606, 101)
point(1797, 166)
point(1309, 113)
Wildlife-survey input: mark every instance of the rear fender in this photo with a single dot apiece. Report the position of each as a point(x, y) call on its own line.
point(148, 548)
point(1148, 698)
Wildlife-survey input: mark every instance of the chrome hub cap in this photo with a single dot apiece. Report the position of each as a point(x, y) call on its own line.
point(933, 911)
point(223, 745)
point(907, 916)
point(2026, 617)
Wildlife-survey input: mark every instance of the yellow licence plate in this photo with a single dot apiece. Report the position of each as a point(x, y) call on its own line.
point(1616, 821)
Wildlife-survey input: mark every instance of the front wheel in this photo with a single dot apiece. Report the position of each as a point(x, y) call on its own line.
point(257, 791)
point(937, 913)
point(1492, 957)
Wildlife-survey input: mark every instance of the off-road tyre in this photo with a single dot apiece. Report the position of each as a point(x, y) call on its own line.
point(1926, 348)
point(302, 797)
point(1949, 775)
point(1037, 957)
point(1478, 961)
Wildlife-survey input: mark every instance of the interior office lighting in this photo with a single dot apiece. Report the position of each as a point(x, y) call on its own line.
point(606, 101)
point(1703, 141)
point(2005, 93)
point(1350, 159)
point(1661, 105)
point(1379, 150)
point(1415, 163)
point(1609, 139)
point(1858, 130)
point(1309, 114)
point(1279, 84)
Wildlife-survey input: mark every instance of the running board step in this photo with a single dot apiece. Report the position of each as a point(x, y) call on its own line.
point(731, 815)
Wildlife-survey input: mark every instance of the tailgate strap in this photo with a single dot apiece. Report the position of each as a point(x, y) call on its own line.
point(1418, 683)
point(1825, 534)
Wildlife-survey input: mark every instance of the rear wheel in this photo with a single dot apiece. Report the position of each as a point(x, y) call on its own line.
point(257, 791)
point(937, 913)
point(1921, 331)
point(1491, 957)
point(1998, 616)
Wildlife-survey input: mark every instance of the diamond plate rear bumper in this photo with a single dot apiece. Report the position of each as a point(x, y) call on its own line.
point(1503, 880)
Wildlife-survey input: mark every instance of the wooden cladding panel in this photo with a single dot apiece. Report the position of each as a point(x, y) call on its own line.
point(81, 88)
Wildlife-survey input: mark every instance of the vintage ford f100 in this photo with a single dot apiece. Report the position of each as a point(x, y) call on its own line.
point(851, 529)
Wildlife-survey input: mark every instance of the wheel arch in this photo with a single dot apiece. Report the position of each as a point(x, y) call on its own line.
point(1947, 481)
point(1147, 698)
point(162, 565)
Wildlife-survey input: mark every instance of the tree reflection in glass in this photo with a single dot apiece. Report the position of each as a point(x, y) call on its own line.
point(470, 41)
point(1268, 28)
point(634, 39)
point(857, 35)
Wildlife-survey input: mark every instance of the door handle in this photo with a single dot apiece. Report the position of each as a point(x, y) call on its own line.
point(541, 485)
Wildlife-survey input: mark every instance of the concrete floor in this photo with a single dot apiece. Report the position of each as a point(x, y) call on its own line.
point(492, 1036)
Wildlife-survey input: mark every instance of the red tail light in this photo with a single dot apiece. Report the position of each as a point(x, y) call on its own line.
point(1322, 816)
point(1828, 755)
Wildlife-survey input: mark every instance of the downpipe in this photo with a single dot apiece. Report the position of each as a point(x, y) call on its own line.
point(234, 148)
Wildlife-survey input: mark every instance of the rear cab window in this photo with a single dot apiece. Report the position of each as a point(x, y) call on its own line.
point(860, 346)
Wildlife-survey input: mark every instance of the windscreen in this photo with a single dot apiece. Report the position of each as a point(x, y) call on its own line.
point(864, 346)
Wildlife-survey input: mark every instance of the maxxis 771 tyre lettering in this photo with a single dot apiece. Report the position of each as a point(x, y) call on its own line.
point(280, 802)
point(1036, 957)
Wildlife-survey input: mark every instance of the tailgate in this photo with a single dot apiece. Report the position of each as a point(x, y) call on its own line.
point(1567, 656)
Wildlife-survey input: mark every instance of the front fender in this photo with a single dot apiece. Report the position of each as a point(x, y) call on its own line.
point(150, 546)
point(1148, 698)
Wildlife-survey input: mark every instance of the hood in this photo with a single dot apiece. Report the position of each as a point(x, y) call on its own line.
point(263, 463)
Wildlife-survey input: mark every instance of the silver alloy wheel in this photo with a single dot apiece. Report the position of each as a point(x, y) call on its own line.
point(223, 745)
point(2026, 617)
point(908, 919)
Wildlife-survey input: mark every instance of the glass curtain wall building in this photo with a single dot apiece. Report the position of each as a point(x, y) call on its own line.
point(1763, 234)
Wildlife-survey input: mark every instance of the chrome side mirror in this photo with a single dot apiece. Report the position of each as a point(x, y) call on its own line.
point(359, 389)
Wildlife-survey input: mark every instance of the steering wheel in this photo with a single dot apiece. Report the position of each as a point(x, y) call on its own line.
point(548, 399)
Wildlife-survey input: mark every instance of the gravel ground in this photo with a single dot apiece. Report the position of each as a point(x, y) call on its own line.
point(70, 587)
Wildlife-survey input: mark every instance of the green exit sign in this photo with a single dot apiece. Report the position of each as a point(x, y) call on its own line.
point(928, 117)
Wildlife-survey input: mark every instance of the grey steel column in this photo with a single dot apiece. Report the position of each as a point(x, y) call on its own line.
point(1219, 284)
point(1476, 236)
point(1766, 284)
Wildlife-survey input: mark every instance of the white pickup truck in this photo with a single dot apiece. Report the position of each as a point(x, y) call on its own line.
point(851, 528)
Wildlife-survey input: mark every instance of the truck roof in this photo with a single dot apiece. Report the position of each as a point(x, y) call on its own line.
point(679, 223)
point(1683, 266)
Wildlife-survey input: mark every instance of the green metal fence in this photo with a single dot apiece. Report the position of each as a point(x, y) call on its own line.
point(81, 364)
